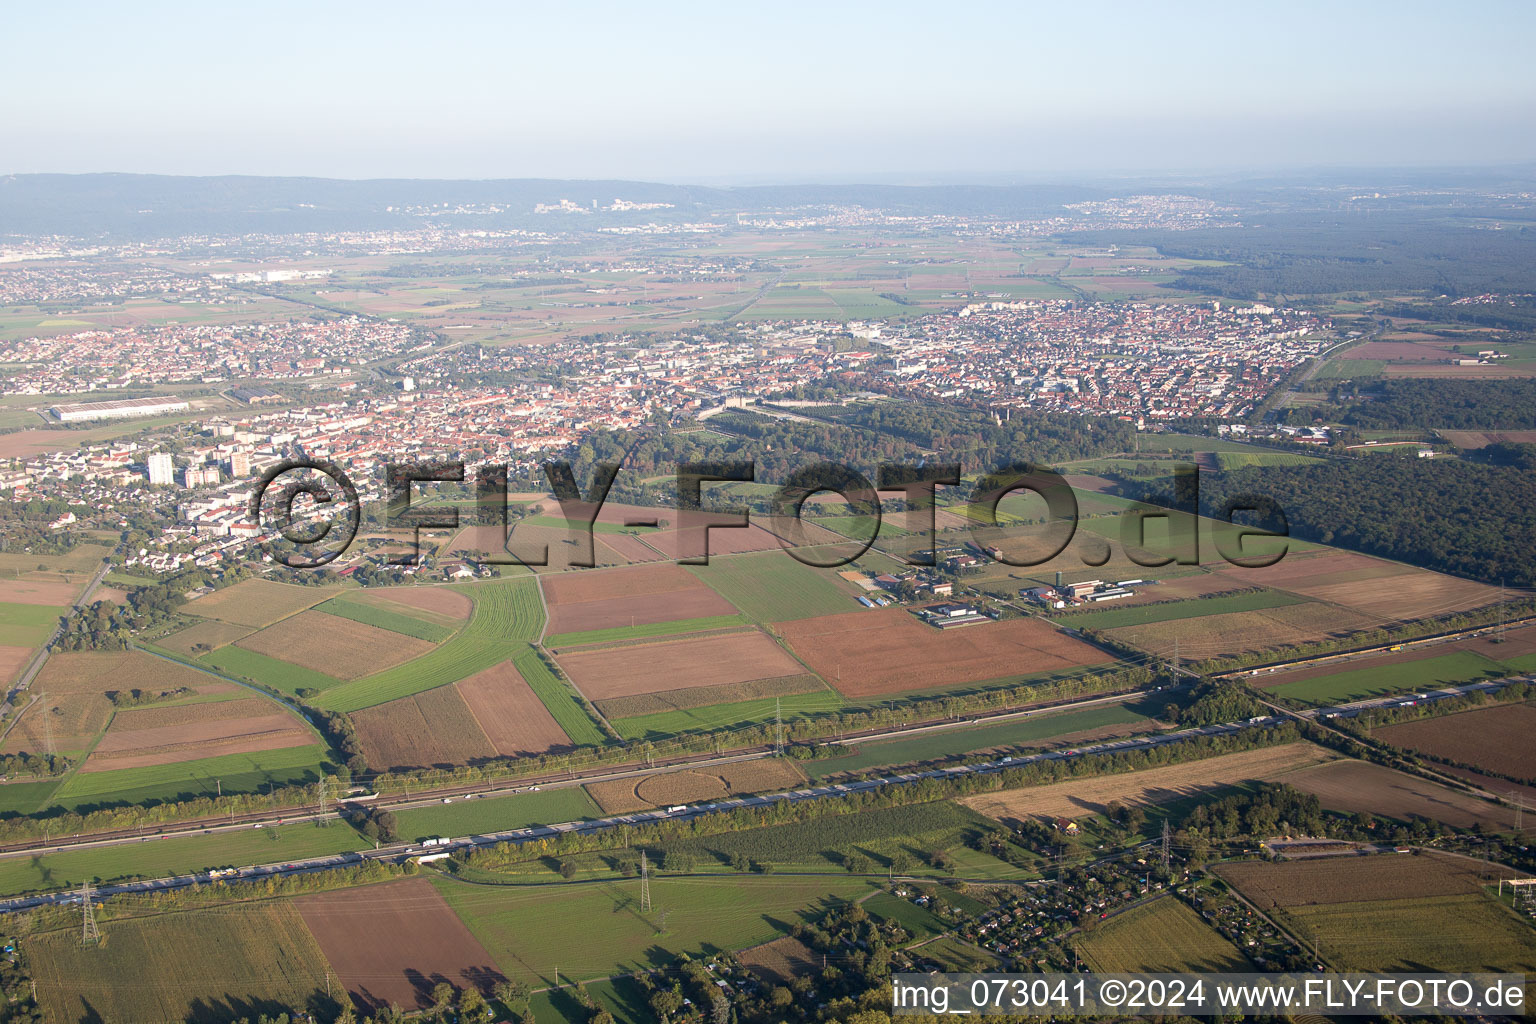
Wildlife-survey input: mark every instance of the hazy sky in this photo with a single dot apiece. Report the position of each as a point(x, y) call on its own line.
point(725, 92)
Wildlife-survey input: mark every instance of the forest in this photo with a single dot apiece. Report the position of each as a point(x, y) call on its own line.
point(1457, 517)
point(1410, 404)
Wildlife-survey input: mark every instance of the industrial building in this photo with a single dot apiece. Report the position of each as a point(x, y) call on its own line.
point(126, 408)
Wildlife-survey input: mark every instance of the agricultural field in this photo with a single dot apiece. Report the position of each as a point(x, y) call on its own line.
point(611, 599)
point(773, 587)
point(202, 637)
point(1163, 935)
point(558, 698)
point(283, 676)
point(1113, 617)
point(257, 603)
point(423, 730)
point(27, 625)
point(1088, 796)
point(758, 711)
point(1499, 739)
point(643, 704)
point(1386, 675)
point(373, 613)
point(1070, 728)
point(703, 912)
point(72, 690)
point(139, 737)
point(1239, 460)
point(12, 661)
point(439, 600)
point(1372, 789)
point(875, 653)
point(670, 627)
point(507, 616)
point(602, 673)
point(781, 960)
point(1214, 636)
point(761, 775)
point(344, 648)
point(513, 717)
point(361, 936)
point(1381, 591)
point(201, 966)
point(1392, 912)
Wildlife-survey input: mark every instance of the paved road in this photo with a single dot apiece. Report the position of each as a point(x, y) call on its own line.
point(400, 852)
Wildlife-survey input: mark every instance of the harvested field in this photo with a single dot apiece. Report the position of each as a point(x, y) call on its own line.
point(1358, 582)
point(343, 648)
point(50, 590)
point(1213, 636)
point(258, 602)
point(870, 653)
point(1433, 933)
point(1499, 739)
point(632, 596)
point(151, 736)
point(509, 713)
point(441, 600)
point(1164, 935)
point(1370, 788)
point(606, 672)
point(761, 775)
point(1483, 438)
point(780, 960)
point(393, 943)
point(1402, 352)
point(1149, 786)
point(1353, 879)
point(704, 696)
point(12, 660)
point(431, 728)
point(201, 637)
point(1483, 371)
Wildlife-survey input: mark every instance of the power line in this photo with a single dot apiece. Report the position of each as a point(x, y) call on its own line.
point(645, 884)
point(90, 935)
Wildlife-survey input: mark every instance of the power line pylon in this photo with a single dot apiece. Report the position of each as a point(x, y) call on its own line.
point(645, 884)
point(90, 935)
point(1167, 842)
point(42, 699)
point(1519, 802)
point(778, 727)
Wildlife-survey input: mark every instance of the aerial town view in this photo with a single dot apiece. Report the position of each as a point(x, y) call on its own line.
point(702, 525)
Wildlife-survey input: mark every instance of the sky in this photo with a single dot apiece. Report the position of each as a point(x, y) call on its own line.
point(727, 93)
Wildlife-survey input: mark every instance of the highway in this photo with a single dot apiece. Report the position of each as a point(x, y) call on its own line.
point(400, 852)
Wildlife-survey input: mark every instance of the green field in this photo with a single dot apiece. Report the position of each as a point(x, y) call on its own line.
point(960, 957)
point(773, 587)
point(158, 858)
point(203, 966)
point(384, 618)
point(507, 615)
point(495, 814)
point(918, 921)
point(280, 675)
point(514, 923)
point(27, 625)
point(25, 797)
point(1239, 460)
point(237, 773)
point(1112, 618)
point(1164, 935)
point(819, 843)
point(558, 697)
point(1339, 369)
point(1431, 933)
point(1441, 670)
point(618, 633)
point(1019, 732)
point(719, 716)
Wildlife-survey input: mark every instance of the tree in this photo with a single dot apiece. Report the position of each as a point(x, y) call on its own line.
point(442, 996)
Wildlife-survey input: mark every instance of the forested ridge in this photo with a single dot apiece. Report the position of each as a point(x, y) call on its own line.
point(1463, 518)
point(1449, 404)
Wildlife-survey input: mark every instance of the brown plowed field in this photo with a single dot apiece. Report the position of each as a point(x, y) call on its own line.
point(605, 672)
point(1500, 739)
point(1401, 352)
point(1370, 788)
point(46, 591)
point(1483, 438)
point(392, 943)
point(431, 728)
point(1210, 636)
point(336, 646)
point(1353, 879)
point(1150, 786)
point(431, 599)
point(1385, 591)
point(1486, 371)
point(638, 595)
point(514, 720)
point(703, 696)
point(761, 775)
point(166, 735)
point(258, 602)
point(867, 653)
point(780, 960)
point(12, 660)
